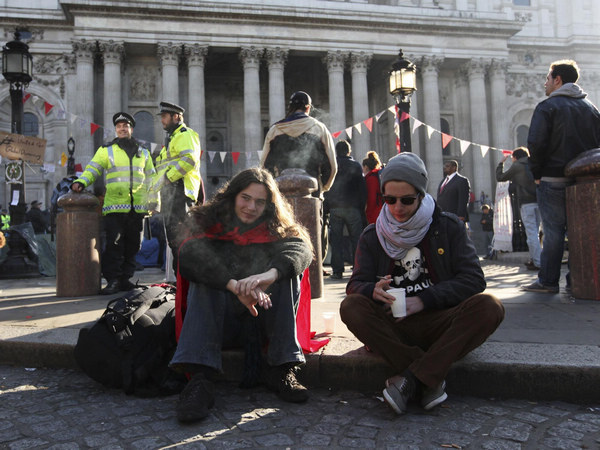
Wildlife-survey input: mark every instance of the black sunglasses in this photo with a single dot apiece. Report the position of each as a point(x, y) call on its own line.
point(408, 200)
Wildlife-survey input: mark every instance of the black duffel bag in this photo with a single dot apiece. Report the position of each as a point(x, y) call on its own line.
point(131, 345)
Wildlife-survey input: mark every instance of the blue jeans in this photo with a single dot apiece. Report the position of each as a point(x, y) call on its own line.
point(353, 219)
point(214, 319)
point(553, 209)
point(530, 215)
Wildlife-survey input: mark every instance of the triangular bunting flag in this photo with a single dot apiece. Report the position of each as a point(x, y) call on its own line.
point(222, 155)
point(507, 152)
point(82, 123)
point(259, 153)
point(93, 128)
point(235, 156)
point(378, 116)
point(201, 153)
point(153, 146)
point(211, 156)
point(72, 118)
point(63, 159)
point(358, 128)
point(36, 100)
point(336, 134)
point(61, 114)
point(446, 138)
point(416, 124)
point(349, 132)
point(26, 97)
point(404, 116)
point(430, 131)
point(48, 107)
point(464, 145)
point(484, 150)
point(392, 109)
point(369, 124)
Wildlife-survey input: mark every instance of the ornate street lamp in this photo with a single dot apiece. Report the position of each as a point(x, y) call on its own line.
point(71, 159)
point(17, 69)
point(403, 82)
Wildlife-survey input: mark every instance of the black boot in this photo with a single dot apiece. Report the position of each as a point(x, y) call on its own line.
point(112, 287)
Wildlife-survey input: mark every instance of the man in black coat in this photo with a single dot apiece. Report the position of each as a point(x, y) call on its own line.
point(453, 191)
point(345, 202)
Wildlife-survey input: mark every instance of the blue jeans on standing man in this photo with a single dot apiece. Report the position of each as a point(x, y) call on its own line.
point(353, 219)
point(530, 215)
point(552, 202)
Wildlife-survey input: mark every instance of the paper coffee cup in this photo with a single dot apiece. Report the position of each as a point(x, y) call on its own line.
point(329, 322)
point(399, 305)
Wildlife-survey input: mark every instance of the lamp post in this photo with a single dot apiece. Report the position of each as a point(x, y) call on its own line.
point(17, 69)
point(71, 159)
point(403, 82)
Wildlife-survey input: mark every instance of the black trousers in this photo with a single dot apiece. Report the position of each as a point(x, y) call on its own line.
point(174, 208)
point(123, 240)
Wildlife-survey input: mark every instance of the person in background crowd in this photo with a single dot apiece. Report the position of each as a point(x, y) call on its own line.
point(454, 192)
point(36, 217)
point(372, 170)
point(177, 173)
point(129, 173)
point(563, 126)
point(487, 225)
point(345, 202)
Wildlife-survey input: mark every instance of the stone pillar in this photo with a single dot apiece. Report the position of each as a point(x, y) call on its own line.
point(297, 186)
point(169, 54)
point(276, 58)
point(250, 57)
point(78, 246)
point(500, 133)
point(479, 127)
point(359, 63)
point(430, 67)
point(84, 100)
point(583, 223)
point(463, 127)
point(337, 106)
point(112, 54)
point(196, 112)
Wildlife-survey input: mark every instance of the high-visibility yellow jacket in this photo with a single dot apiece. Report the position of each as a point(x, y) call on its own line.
point(128, 181)
point(180, 159)
point(4, 222)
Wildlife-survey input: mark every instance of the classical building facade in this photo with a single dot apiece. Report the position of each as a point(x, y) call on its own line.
point(233, 65)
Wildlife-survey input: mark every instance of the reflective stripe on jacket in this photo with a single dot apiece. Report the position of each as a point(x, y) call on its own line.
point(128, 182)
point(180, 159)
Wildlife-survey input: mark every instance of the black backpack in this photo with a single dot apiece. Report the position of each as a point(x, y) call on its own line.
point(131, 345)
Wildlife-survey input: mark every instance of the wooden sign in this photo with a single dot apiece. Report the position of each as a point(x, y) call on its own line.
point(27, 148)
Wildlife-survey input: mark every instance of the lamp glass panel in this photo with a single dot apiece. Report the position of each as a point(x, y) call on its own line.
point(13, 63)
point(408, 79)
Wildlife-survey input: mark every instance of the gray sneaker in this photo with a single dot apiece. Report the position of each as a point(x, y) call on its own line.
point(399, 392)
point(538, 287)
point(434, 396)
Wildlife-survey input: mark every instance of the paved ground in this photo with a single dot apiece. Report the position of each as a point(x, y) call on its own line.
point(63, 409)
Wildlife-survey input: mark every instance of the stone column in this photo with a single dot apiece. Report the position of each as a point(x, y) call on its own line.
point(479, 127)
point(500, 133)
point(169, 54)
point(337, 106)
point(430, 66)
point(112, 55)
point(276, 58)
point(463, 127)
point(359, 63)
point(195, 115)
point(250, 57)
point(84, 100)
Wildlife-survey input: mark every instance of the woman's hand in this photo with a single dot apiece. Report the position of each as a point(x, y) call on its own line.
point(250, 300)
point(260, 281)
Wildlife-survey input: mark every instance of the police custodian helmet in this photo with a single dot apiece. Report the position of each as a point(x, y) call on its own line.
point(123, 117)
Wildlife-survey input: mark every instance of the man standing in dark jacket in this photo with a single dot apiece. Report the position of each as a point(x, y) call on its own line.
point(415, 246)
point(520, 175)
point(563, 126)
point(453, 191)
point(345, 202)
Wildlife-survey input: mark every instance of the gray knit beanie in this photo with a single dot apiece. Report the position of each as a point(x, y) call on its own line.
point(406, 167)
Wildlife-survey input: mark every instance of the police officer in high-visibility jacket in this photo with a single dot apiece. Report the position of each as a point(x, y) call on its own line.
point(177, 173)
point(129, 175)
